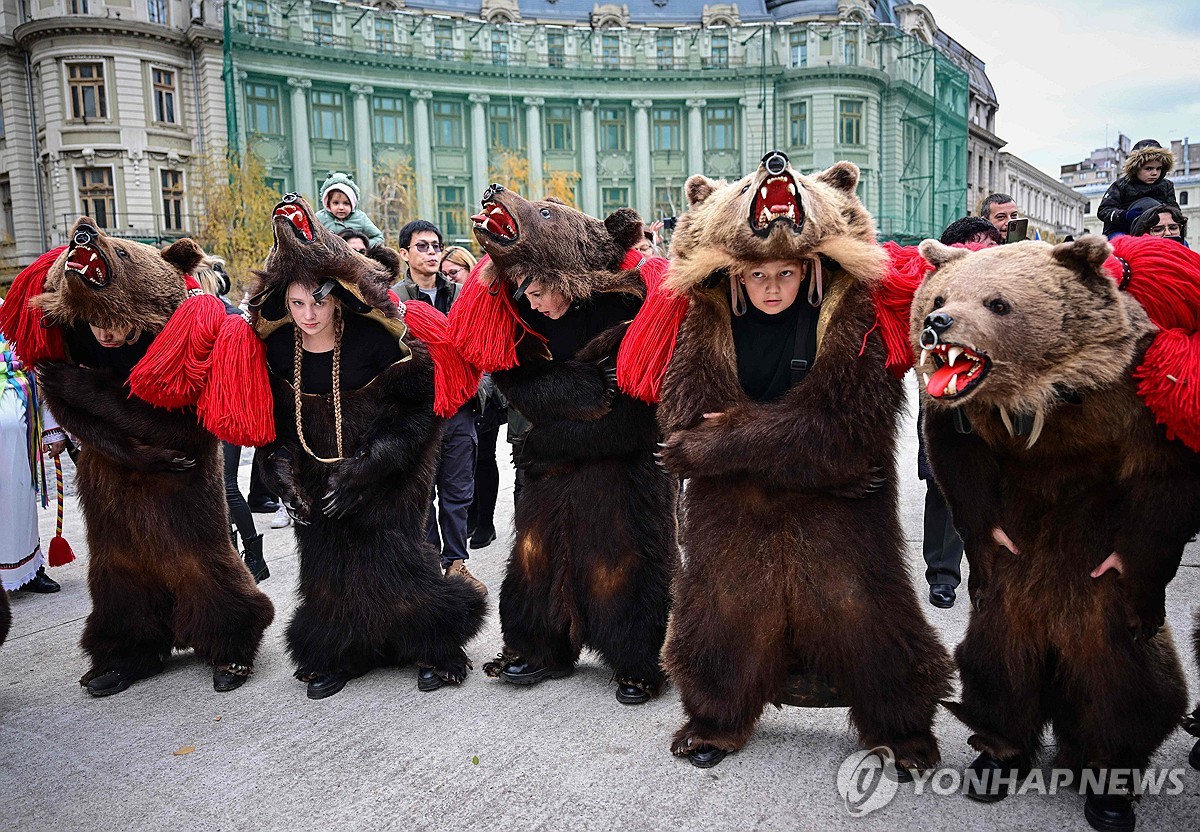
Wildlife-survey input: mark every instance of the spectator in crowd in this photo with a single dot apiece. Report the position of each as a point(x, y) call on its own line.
point(457, 264)
point(339, 208)
point(356, 240)
point(492, 412)
point(975, 230)
point(999, 210)
point(1144, 177)
point(454, 484)
point(1162, 221)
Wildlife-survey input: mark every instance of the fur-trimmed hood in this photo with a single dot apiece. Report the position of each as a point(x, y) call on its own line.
point(1137, 158)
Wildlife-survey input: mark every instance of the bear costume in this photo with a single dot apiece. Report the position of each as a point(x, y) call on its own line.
point(594, 552)
point(355, 467)
point(1073, 504)
point(162, 571)
point(794, 587)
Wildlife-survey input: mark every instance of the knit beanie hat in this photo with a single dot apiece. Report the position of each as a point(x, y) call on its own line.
point(339, 182)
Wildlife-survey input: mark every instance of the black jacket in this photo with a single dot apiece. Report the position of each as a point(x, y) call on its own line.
point(1123, 193)
point(447, 292)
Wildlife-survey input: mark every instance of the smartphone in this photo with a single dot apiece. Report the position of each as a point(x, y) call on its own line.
point(1018, 230)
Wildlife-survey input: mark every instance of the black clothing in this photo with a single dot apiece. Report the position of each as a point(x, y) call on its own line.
point(445, 292)
point(86, 351)
point(239, 510)
point(1123, 193)
point(766, 344)
point(367, 350)
point(581, 323)
point(941, 546)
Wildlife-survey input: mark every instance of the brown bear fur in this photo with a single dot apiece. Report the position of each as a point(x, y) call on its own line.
point(1057, 451)
point(595, 548)
point(790, 565)
point(161, 569)
point(371, 590)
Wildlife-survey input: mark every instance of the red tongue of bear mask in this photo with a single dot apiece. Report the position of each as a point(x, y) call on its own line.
point(960, 367)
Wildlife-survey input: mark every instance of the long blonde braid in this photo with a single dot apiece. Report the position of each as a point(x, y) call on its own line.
point(337, 389)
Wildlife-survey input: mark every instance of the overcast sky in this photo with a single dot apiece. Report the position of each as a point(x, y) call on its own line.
point(1070, 74)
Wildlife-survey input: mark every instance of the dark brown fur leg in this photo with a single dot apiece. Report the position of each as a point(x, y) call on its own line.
point(223, 615)
point(129, 627)
point(535, 615)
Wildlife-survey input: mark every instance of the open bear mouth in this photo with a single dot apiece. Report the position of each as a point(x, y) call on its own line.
point(298, 220)
point(776, 201)
point(88, 263)
point(956, 370)
point(496, 221)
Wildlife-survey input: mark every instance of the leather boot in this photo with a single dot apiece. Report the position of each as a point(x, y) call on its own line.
point(255, 562)
point(41, 583)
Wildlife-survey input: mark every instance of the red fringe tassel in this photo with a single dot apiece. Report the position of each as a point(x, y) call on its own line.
point(649, 343)
point(454, 379)
point(174, 369)
point(484, 325)
point(236, 403)
point(893, 303)
point(22, 323)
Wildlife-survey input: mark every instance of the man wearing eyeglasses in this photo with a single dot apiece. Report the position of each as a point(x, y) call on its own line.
point(421, 248)
point(1161, 221)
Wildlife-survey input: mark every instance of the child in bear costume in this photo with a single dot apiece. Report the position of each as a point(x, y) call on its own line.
point(1041, 400)
point(794, 587)
point(353, 460)
point(595, 545)
point(161, 569)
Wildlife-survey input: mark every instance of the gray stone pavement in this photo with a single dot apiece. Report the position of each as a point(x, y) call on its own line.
point(381, 755)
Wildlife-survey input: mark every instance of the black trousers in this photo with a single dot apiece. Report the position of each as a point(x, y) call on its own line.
point(454, 486)
point(239, 510)
point(941, 545)
point(259, 494)
point(482, 513)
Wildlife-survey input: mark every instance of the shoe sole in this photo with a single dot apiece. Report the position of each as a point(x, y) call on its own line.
point(709, 762)
point(225, 688)
point(640, 699)
point(1102, 825)
point(540, 676)
point(328, 692)
point(120, 688)
point(429, 685)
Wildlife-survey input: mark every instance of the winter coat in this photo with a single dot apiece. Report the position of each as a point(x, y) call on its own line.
point(447, 292)
point(356, 221)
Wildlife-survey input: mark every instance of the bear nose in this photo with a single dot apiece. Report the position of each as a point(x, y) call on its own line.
point(936, 323)
point(84, 235)
point(290, 198)
point(775, 162)
point(492, 190)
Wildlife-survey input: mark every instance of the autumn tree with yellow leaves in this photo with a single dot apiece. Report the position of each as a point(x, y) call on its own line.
point(235, 223)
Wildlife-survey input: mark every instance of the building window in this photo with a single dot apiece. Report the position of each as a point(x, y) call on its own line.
point(612, 199)
point(78, 6)
point(610, 51)
point(556, 49)
point(668, 201)
point(560, 129)
point(798, 47)
point(390, 127)
point(322, 28)
point(97, 199)
point(666, 51)
point(500, 46)
point(798, 123)
point(447, 124)
point(850, 47)
point(720, 50)
point(719, 127)
point(443, 41)
point(157, 11)
point(666, 128)
point(452, 213)
point(88, 98)
point(172, 199)
point(328, 116)
point(502, 127)
point(614, 128)
point(258, 17)
point(262, 109)
point(1183, 198)
point(276, 184)
point(164, 95)
point(8, 232)
point(385, 34)
point(850, 121)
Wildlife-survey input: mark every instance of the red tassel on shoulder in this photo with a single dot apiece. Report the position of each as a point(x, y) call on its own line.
point(454, 379)
point(236, 404)
point(174, 369)
point(649, 343)
point(893, 303)
point(22, 323)
point(484, 325)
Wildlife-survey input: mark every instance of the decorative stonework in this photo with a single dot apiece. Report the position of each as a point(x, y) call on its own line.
point(609, 14)
point(855, 11)
point(917, 21)
point(500, 11)
point(720, 14)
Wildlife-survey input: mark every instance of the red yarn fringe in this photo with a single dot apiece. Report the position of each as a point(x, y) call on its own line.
point(22, 323)
point(454, 379)
point(649, 343)
point(893, 303)
point(484, 324)
point(236, 403)
point(174, 369)
point(60, 552)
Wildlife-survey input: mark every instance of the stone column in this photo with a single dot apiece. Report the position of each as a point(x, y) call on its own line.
point(362, 140)
point(302, 179)
point(239, 96)
point(695, 136)
point(643, 199)
point(423, 150)
point(479, 146)
point(589, 201)
point(533, 137)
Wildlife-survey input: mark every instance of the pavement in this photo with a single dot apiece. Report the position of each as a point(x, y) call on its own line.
point(170, 753)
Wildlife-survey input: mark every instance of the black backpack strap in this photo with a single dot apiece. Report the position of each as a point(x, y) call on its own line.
point(805, 350)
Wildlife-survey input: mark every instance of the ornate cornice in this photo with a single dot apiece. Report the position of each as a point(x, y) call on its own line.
point(27, 35)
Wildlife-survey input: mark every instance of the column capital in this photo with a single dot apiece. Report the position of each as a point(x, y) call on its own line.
point(479, 98)
point(421, 95)
point(642, 103)
point(240, 74)
point(695, 103)
point(299, 83)
point(588, 103)
point(362, 89)
point(533, 101)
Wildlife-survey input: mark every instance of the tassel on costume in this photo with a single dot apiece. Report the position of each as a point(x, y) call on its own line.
point(484, 325)
point(454, 379)
point(893, 303)
point(60, 552)
point(174, 369)
point(649, 342)
point(236, 404)
point(23, 324)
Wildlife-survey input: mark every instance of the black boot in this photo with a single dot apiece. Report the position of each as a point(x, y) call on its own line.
point(1110, 813)
point(989, 779)
point(41, 583)
point(255, 562)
